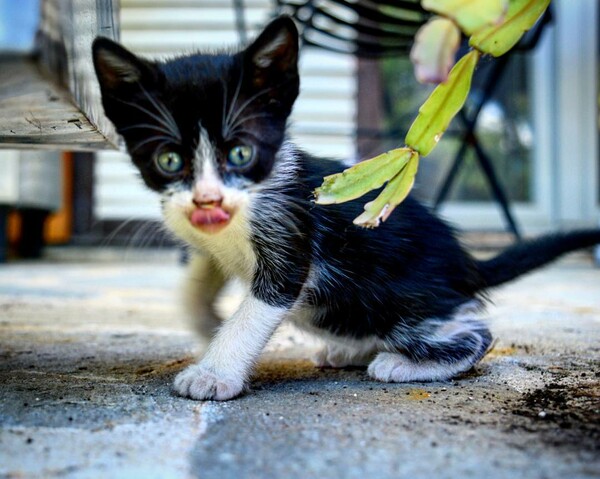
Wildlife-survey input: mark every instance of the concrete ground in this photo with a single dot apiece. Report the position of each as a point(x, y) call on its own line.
point(88, 351)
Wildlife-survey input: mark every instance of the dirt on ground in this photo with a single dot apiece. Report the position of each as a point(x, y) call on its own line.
point(562, 415)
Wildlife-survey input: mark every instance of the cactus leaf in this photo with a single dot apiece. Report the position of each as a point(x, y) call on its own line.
point(434, 50)
point(521, 16)
point(442, 105)
point(392, 195)
point(470, 15)
point(361, 178)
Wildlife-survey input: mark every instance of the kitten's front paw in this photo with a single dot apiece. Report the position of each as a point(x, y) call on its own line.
point(197, 382)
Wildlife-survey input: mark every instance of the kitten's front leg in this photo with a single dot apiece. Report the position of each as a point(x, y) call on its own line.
point(223, 372)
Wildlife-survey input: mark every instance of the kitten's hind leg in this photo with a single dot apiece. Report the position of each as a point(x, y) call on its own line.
point(435, 350)
point(203, 284)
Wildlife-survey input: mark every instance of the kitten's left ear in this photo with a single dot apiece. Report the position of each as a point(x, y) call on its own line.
point(116, 67)
point(276, 48)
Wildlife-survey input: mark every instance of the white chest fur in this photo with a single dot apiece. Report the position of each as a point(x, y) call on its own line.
point(232, 249)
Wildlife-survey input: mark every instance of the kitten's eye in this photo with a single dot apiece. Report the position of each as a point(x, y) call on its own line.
point(169, 163)
point(240, 155)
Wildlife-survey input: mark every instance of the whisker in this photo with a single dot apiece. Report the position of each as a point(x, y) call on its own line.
point(245, 131)
point(150, 233)
point(108, 239)
point(227, 122)
point(252, 117)
point(244, 119)
point(144, 235)
point(166, 114)
point(158, 119)
point(248, 102)
point(165, 139)
point(225, 108)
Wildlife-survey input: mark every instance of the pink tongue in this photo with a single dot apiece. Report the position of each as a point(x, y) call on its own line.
point(209, 216)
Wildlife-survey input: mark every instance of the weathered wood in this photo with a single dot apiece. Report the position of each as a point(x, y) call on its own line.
point(50, 98)
point(36, 113)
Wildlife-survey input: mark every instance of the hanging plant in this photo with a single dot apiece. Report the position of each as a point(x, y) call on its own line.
point(493, 28)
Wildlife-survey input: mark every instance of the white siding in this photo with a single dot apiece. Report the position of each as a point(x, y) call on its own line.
point(323, 118)
point(119, 191)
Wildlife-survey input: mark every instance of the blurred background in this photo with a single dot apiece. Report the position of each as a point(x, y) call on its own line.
point(539, 126)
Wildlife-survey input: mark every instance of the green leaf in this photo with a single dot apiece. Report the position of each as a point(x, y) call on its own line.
point(392, 195)
point(434, 50)
point(470, 15)
point(361, 178)
point(444, 102)
point(521, 16)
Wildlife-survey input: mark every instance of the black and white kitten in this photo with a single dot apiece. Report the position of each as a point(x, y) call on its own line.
point(208, 132)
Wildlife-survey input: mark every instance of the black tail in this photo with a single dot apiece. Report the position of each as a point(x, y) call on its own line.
point(528, 255)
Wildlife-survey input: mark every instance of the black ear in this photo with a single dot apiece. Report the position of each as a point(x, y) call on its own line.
point(276, 48)
point(117, 67)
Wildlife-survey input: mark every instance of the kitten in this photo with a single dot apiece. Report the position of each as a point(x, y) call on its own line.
point(208, 132)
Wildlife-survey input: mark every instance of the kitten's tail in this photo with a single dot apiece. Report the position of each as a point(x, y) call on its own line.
point(528, 255)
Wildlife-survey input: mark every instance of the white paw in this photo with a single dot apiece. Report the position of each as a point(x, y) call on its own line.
point(397, 368)
point(197, 382)
point(388, 367)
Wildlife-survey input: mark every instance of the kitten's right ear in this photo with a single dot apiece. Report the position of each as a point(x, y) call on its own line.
point(276, 48)
point(116, 67)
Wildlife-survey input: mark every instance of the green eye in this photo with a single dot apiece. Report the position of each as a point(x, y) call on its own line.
point(240, 155)
point(169, 163)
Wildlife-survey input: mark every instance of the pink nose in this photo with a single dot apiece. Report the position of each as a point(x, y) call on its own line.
point(205, 194)
point(207, 200)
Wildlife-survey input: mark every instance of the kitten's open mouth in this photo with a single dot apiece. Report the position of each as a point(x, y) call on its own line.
point(210, 217)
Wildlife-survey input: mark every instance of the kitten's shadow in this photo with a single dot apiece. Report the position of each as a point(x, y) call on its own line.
point(275, 370)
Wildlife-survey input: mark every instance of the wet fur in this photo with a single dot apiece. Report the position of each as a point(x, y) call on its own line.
point(403, 298)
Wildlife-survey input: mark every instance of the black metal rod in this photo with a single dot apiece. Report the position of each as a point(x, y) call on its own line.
point(497, 190)
point(451, 175)
point(470, 139)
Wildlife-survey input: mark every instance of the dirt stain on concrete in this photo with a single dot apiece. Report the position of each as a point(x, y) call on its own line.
point(289, 369)
point(563, 415)
point(417, 394)
point(160, 369)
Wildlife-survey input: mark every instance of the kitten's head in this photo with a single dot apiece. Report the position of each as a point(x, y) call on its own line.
point(203, 129)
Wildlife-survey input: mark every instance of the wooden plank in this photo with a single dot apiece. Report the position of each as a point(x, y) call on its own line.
point(57, 106)
point(36, 113)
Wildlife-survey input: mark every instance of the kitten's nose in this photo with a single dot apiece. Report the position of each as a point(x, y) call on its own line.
point(206, 195)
